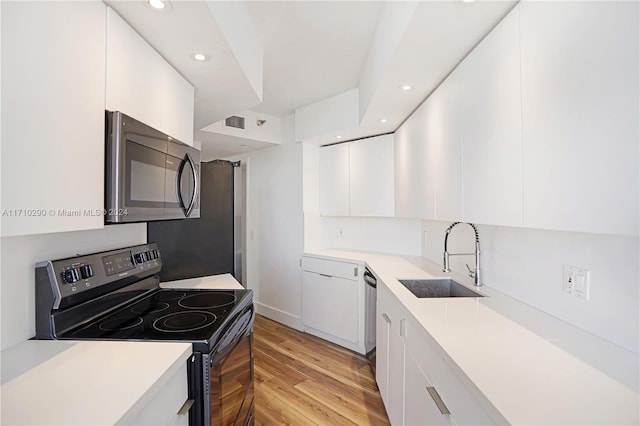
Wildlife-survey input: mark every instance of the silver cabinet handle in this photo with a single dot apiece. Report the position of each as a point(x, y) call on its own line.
point(386, 318)
point(436, 398)
point(185, 407)
point(355, 271)
point(325, 275)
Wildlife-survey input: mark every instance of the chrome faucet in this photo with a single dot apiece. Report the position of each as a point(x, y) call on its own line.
point(475, 273)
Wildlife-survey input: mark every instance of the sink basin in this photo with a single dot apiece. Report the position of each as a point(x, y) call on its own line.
point(438, 287)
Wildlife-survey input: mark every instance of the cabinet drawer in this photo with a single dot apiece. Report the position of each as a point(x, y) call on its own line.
point(346, 270)
point(466, 407)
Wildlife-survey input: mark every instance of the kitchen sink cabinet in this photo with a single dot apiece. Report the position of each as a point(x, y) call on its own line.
point(333, 302)
point(357, 178)
point(390, 353)
point(140, 83)
point(580, 107)
point(53, 79)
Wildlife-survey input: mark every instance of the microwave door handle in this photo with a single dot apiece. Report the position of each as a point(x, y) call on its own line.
point(192, 203)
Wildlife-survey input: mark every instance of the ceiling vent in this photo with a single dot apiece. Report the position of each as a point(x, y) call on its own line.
point(234, 121)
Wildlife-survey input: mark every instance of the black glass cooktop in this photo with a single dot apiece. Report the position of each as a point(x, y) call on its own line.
point(167, 315)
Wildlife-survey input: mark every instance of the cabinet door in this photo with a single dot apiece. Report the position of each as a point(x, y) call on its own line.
point(492, 142)
point(53, 79)
point(334, 180)
point(444, 122)
point(391, 377)
point(420, 408)
point(383, 326)
point(143, 85)
point(330, 304)
point(580, 105)
point(371, 177)
point(414, 167)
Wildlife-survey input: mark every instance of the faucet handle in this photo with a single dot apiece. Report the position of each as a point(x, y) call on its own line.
point(472, 273)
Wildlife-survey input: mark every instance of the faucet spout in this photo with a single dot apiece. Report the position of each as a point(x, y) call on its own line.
point(475, 273)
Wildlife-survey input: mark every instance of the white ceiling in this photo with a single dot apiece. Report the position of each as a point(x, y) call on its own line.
point(312, 50)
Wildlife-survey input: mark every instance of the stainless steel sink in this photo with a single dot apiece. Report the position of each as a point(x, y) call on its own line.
point(438, 287)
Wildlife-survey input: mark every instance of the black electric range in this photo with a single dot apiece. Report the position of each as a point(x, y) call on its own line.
point(115, 295)
point(195, 316)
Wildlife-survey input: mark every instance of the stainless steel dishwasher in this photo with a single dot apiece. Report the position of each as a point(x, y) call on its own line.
point(370, 295)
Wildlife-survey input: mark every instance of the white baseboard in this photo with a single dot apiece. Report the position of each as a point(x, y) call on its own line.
point(282, 317)
point(338, 341)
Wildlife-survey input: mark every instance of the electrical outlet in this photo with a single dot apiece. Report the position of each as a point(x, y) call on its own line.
point(577, 281)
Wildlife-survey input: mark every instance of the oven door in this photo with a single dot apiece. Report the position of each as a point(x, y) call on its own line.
point(228, 377)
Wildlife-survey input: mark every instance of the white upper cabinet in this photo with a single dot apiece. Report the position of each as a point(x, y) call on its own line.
point(143, 85)
point(53, 80)
point(580, 116)
point(492, 141)
point(334, 180)
point(445, 126)
point(414, 169)
point(356, 178)
point(371, 177)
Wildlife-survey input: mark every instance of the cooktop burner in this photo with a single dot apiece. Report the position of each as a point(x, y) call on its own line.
point(207, 300)
point(184, 315)
point(123, 323)
point(184, 321)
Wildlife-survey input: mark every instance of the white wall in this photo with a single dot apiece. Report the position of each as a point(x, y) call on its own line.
point(527, 265)
point(275, 228)
point(20, 254)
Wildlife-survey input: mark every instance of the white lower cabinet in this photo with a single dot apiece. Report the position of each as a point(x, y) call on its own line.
point(333, 302)
point(419, 405)
point(390, 354)
point(166, 406)
point(466, 406)
point(418, 384)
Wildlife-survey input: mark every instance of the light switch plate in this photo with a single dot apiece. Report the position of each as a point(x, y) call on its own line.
point(577, 281)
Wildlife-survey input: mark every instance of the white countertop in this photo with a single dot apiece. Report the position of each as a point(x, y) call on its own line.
point(211, 282)
point(60, 382)
point(63, 382)
point(533, 368)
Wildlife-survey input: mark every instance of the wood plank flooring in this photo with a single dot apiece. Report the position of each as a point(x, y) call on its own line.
point(303, 380)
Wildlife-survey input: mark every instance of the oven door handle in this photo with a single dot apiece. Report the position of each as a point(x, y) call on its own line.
point(227, 343)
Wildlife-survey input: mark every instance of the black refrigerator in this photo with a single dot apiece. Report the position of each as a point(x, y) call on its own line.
point(192, 248)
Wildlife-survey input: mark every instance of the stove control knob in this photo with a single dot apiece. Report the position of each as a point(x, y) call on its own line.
point(156, 253)
point(86, 271)
point(139, 258)
point(70, 276)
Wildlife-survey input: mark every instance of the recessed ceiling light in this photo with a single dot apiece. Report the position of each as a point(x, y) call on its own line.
point(157, 4)
point(200, 57)
point(405, 87)
point(467, 1)
point(382, 120)
point(339, 137)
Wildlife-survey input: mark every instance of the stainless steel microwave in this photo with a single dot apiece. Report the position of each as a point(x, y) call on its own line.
point(149, 175)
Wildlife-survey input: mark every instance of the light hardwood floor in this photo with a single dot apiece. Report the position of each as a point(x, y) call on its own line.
point(303, 380)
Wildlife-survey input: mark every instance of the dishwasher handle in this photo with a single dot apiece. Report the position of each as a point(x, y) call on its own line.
point(370, 279)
